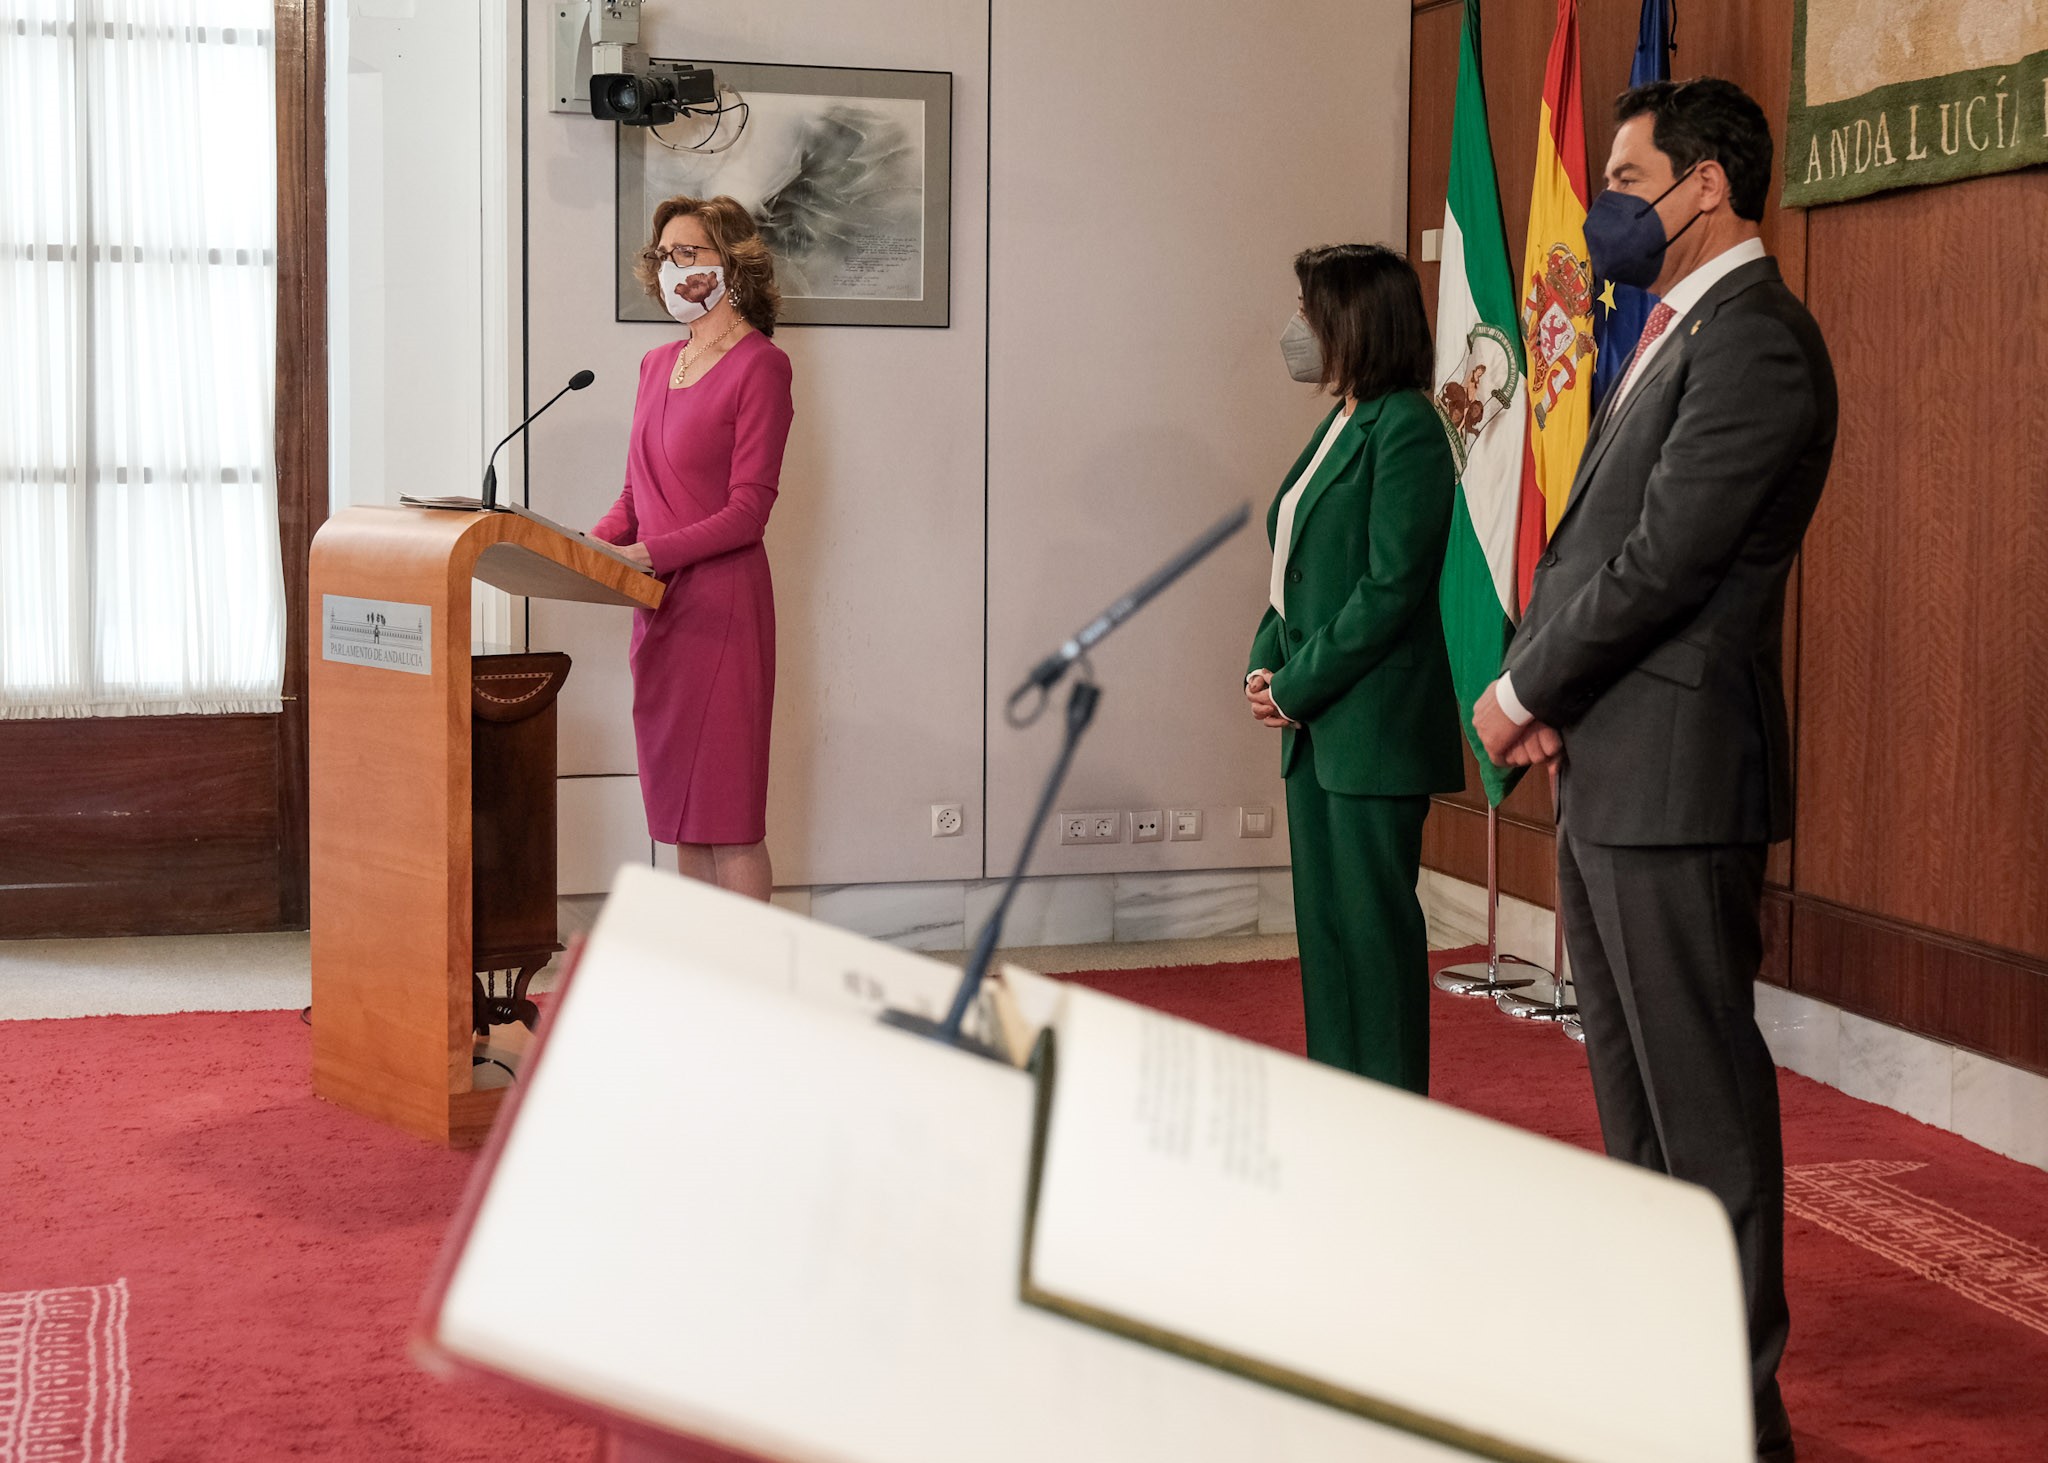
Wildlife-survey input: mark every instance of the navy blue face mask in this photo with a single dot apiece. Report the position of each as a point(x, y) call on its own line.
point(1625, 237)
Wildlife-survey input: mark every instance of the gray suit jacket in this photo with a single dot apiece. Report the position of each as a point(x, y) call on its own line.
point(1653, 636)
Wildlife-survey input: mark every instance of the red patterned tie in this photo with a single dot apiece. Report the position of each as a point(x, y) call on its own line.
point(1660, 318)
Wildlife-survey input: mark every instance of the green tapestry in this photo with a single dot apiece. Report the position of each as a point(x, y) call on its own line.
point(1896, 93)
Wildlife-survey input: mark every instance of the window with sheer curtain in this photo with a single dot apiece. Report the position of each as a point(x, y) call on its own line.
point(139, 570)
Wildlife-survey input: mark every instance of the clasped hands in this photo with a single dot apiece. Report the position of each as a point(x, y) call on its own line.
point(1534, 745)
point(1258, 691)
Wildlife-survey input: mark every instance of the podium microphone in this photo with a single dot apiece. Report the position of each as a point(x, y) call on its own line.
point(490, 493)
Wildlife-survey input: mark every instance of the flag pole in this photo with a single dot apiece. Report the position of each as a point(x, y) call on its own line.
point(1486, 978)
point(1557, 1008)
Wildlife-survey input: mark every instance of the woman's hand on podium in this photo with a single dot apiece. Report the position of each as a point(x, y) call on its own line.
point(639, 555)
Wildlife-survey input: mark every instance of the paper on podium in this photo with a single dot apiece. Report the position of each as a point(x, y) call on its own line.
point(733, 1207)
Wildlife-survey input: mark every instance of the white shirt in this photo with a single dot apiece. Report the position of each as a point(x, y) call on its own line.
point(1283, 526)
point(1687, 293)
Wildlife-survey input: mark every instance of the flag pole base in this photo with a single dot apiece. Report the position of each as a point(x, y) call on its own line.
point(1571, 1026)
point(1529, 1008)
point(1486, 977)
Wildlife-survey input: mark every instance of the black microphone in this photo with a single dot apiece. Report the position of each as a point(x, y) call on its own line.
point(490, 494)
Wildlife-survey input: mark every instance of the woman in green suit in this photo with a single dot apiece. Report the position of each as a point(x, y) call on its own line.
point(1349, 662)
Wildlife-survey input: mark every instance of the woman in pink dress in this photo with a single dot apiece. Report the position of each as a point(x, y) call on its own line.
point(709, 427)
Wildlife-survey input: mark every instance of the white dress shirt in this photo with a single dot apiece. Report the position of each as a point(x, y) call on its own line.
point(1283, 527)
point(1684, 295)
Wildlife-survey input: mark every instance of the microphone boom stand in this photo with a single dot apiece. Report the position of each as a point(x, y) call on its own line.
point(1081, 704)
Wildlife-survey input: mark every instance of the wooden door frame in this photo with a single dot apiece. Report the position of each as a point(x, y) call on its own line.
point(302, 419)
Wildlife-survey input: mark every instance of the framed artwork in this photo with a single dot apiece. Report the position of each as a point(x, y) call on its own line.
point(847, 171)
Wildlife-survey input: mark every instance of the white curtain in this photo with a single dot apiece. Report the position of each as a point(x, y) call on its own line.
point(139, 569)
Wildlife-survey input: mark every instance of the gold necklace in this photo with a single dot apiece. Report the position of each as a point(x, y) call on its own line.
point(684, 360)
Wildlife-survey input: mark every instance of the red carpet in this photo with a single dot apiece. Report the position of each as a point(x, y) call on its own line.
point(183, 1227)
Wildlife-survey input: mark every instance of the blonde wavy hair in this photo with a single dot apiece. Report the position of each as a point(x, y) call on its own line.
point(749, 266)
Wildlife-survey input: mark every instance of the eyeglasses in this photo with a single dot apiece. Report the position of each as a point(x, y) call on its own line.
point(680, 255)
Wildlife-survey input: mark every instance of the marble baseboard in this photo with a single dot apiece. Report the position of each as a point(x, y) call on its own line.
point(1079, 909)
point(1996, 1106)
point(1187, 906)
point(1276, 901)
point(914, 916)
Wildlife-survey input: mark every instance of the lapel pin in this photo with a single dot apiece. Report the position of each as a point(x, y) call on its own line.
point(1695, 328)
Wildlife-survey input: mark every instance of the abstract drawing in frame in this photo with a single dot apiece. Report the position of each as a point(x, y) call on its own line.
point(847, 171)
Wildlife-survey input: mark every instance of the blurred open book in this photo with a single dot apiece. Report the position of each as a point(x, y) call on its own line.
point(730, 1205)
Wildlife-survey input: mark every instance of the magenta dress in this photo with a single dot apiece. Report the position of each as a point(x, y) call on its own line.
point(701, 475)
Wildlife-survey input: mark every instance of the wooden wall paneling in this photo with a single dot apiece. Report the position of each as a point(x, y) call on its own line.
point(1432, 95)
point(1454, 842)
point(138, 825)
point(1750, 44)
point(1777, 927)
point(1952, 990)
point(1923, 757)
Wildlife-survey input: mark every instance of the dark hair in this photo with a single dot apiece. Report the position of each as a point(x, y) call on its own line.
point(1708, 118)
point(749, 266)
point(1364, 304)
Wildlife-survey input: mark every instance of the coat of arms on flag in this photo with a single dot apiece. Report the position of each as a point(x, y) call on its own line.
point(1479, 388)
point(1557, 327)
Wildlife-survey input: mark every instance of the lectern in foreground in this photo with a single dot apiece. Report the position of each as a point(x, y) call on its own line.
point(738, 1217)
point(389, 811)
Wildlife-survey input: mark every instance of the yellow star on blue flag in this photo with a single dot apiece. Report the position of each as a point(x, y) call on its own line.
point(1607, 296)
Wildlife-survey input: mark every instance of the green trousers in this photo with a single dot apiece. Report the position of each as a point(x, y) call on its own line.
point(1364, 944)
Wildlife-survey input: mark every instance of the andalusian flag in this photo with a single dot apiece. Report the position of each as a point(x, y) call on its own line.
point(1557, 302)
point(1624, 310)
point(1481, 398)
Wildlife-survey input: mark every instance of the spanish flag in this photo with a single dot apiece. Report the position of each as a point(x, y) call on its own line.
point(1557, 303)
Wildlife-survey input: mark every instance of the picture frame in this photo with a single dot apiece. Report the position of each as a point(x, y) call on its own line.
point(848, 170)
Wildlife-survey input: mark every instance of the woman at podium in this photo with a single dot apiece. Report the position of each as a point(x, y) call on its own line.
point(702, 467)
point(1349, 661)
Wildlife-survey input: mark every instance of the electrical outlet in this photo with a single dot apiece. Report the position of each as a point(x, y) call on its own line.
point(947, 820)
point(1254, 822)
point(1187, 824)
point(1091, 827)
point(1148, 826)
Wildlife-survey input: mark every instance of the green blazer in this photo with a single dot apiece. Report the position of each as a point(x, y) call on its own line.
point(1359, 658)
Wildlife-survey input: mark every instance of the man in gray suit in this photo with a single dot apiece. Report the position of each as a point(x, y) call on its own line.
point(1648, 662)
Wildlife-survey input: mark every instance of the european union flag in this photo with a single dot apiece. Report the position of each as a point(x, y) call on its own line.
point(1620, 311)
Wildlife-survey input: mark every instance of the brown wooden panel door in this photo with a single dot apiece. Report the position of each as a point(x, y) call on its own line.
point(1923, 757)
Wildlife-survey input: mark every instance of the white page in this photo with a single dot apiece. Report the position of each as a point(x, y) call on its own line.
point(765, 1219)
point(1336, 1228)
point(670, 918)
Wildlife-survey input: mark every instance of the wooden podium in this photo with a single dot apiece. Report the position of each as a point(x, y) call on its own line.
point(389, 814)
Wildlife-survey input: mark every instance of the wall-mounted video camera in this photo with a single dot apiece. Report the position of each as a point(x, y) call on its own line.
point(598, 66)
point(651, 96)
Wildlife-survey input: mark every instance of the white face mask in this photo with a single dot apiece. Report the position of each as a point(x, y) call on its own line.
point(1299, 349)
point(691, 291)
